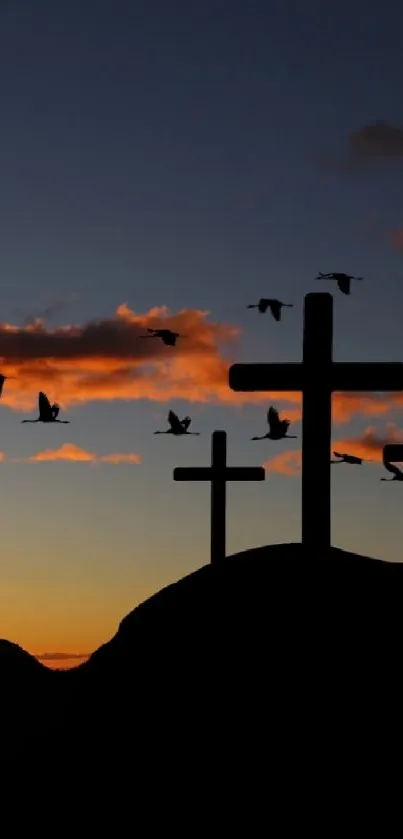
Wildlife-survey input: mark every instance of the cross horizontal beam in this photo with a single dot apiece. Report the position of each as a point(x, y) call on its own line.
point(340, 375)
point(393, 452)
point(228, 473)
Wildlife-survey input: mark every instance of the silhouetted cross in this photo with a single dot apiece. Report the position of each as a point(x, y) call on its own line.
point(317, 377)
point(219, 473)
point(393, 453)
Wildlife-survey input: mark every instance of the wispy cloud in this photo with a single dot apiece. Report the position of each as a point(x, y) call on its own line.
point(287, 463)
point(369, 445)
point(369, 144)
point(345, 406)
point(42, 315)
point(71, 452)
point(61, 656)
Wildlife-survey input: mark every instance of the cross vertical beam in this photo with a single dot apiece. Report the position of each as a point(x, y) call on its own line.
point(317, 421)
point(393, 452)
point(218, 496)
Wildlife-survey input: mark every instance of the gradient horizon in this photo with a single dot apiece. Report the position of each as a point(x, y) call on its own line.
point(198, 159)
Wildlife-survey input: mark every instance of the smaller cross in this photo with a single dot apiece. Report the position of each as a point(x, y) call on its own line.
point(219, 473)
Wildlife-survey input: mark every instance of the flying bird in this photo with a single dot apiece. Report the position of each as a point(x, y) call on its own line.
point(275, 307)
point(47, 412)
point(166, 335)
point(278, 428)
point(343, 280)
point(177, 426)
point(396, 472)
point(2, 380)
point(348, 458)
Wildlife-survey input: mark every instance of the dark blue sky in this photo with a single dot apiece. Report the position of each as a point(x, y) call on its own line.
point(179, 154)
point(186, 135)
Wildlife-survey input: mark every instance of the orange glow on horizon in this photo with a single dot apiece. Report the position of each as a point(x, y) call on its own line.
point(61, 661)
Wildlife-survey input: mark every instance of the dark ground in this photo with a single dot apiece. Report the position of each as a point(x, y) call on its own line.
point(261, 671)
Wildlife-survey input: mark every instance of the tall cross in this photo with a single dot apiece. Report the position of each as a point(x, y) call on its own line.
point(218, 474)
point(393, 452)
point(317, 377)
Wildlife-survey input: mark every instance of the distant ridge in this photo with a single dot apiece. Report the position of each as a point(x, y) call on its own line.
point(15, 660)
point(246, 654)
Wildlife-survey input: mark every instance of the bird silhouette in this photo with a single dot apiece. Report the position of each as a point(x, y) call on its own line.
point(278, 428)
point(2, 380)
point(266, 303)
point(343, 280)
point(396, 472)
point(177, 426)
point(348, 458)
point(47, 412)
point(167, 336)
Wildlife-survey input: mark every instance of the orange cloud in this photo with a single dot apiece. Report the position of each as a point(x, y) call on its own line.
point(369, 446)
point(345, 406)
point(104, 360)
point(69, 451)
point(287, 463)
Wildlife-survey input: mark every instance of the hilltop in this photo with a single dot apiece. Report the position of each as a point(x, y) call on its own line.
point(250, 653)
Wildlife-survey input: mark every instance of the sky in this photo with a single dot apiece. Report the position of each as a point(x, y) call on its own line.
point(167, 164)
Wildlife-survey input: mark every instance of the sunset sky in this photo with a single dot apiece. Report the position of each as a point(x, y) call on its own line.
point(166, 164)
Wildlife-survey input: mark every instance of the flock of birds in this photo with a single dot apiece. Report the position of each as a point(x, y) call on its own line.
point(278, 428)
point(343, 281)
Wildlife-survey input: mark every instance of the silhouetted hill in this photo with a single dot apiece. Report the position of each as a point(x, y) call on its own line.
point(30, 697)
point(16, 661)
point(262, 658)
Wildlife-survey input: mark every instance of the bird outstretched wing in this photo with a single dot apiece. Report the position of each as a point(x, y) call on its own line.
point(275, 308)
point(273, 419)
point(337, 454)
point(45, 408)
point(186, 422)
point(174, 422)
point(344, 284)
point(55, 410)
